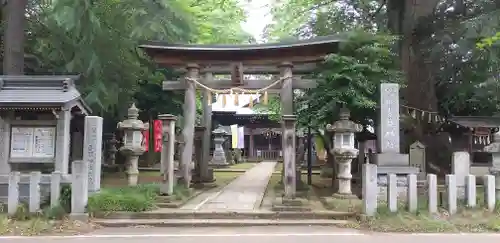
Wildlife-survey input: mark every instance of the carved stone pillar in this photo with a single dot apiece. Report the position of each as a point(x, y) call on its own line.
point(289, 155)
point(167, 153)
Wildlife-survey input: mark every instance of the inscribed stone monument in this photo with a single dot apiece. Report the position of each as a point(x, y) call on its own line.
point(460, 163)
point(92, 151)
point(390, 160)
point(417, 158)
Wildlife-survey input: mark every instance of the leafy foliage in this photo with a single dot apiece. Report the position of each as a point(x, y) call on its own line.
point(351, 77)
point(487, 42)
point(99, 39)
point(462, 79)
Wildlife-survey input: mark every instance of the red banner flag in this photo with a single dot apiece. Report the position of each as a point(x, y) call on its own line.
point(158, 135)
point(145, 140)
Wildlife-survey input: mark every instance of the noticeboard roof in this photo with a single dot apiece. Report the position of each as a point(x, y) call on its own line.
point(39, 91)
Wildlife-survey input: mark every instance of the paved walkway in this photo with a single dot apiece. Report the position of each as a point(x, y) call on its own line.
point(242, 194)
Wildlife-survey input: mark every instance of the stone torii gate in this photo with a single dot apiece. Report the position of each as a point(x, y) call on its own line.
point(200, 63)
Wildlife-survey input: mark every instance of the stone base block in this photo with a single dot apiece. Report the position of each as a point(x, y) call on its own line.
point(290, 204)
point(344, 196)
point(208, 179)
point(334, 200)
point(401, 182)
point(402, 193)
point(204, 185)
point(83, 217)
point(219, 166)
point(392, 159)
point(398, 170)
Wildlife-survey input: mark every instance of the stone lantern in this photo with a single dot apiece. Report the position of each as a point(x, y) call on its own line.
point(494, 149)
point(344, 151)
point(219, 156)
point(133, 140)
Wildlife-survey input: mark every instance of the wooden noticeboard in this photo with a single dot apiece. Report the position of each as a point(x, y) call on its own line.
point(32, 142)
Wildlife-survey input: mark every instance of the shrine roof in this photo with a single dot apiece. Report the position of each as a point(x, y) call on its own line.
point(309, 50)
point(476, 121)
point(38, 91)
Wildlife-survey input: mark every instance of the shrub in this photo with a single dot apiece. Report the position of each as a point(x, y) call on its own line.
point(133, 199)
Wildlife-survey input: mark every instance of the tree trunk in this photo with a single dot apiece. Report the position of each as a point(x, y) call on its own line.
point(14, 19)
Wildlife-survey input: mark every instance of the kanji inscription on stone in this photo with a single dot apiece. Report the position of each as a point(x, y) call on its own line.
point(92, 146)
point(389, 118)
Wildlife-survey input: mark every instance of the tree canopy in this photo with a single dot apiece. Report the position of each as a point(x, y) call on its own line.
point(99, 40)
point(435, 41)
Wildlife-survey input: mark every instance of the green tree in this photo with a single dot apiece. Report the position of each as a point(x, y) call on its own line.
point(349, 77)
point(13, 13)
point(439, 35)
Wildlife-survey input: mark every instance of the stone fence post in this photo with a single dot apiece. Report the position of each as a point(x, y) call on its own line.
point(55, 188)
point(79, 189)
point(13, 192)
point(34, 187)
point(370, 189)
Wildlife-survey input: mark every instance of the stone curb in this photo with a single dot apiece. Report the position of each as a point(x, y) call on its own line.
point(303, 173)
point(177, 214)
point(232, 170)
point(215, 223)
point(215, 170)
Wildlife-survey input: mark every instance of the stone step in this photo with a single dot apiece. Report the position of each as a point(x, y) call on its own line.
point(167, 205)
point(214, 222)
point(163, 199)
point(179, 214)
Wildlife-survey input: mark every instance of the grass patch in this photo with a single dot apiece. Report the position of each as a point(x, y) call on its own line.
point(466, 220)
point(242, 166)
point(278, 168)
point(132, 199)
point(224, 178)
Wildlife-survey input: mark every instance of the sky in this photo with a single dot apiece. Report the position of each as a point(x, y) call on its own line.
point(258, 17)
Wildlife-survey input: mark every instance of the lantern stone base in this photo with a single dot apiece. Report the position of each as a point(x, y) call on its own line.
point(282, 204)
point(133, 169)
point(219, 160)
